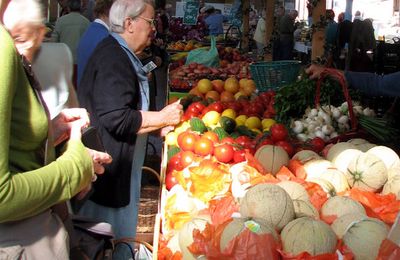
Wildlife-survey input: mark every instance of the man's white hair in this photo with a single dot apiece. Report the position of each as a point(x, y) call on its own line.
point(23, 11)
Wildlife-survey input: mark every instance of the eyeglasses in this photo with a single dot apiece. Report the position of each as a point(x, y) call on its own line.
point(152, 22)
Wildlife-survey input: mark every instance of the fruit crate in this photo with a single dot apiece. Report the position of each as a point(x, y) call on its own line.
point(273, 74)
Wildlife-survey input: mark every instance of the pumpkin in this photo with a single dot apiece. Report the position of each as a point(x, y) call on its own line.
point(308, 235)
point(186, 233)
point(392, 185)
point(326, 186)
point(269, 202)
point(387, 155)
point(364, 238)
point(272, 158)
point(295, 190)
point(336, 178)
point(304, 208)
point(342, 159)
point(341, 224)
point(315, 168)
point(237, 225)
point(366, 172)
point(339, 205)
point(305, 155)
point(337, 148)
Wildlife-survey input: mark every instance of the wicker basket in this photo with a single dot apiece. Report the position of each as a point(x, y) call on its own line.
point(273, 74)
point(148, 205)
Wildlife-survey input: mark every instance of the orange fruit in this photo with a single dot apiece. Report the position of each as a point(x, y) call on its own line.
point(213, 94)
point(248, 89)
point(204, 85)
point(218, 85)
point(227, 96)
point(242, 82)
point(231, 85)
point(195, 91)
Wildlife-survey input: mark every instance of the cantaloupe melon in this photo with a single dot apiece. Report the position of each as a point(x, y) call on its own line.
point(304, 208)
point(342, 159)
point(315, 168)
point(341, 224)
point(272, 158)
point(392, 172)
point(364, 238)
point(387, 155)
point(305, 155)
point(361, 144)
point(392, 186)
point(337, 148)
point(269, 202)
point(336, 178)
point(295, 190)
point(366, 172)
point(357, 141)
point(186, 234)
point(326, 186)
point(339, 205)
point(308, 235)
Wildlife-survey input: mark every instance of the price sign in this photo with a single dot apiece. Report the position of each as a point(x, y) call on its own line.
point(191, 12)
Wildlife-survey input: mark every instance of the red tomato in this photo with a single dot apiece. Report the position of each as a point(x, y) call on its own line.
point(286, 146)
point(211, 135)
point(239, 156)
point(203, 147)
point(278, 132)
point(187, 158)
point(227, 140)
point(224, 153)
point(186, 141)
point(317, 144)
point(175, 163)
point(170, 180)
point(244, 141)
point(200, 106)
point(193, 109)
point(216, 106)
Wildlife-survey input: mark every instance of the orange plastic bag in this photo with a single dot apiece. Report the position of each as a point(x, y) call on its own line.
point(388, 251)
point(384, 207)
point(221, 209)
point(164, 253)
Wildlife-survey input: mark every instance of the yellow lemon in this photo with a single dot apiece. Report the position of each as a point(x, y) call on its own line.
point(171, 138)
point(267, 123)
point(211, 118)
point(182, 127)
point(229, 113)
point(253, 122)
point(240, 120)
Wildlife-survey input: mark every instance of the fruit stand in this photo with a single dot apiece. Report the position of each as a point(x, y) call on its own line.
point(255, 165)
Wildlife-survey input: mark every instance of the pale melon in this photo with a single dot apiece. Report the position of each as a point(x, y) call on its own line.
point(392, 185)
point(304, 208)
point(295, 190)
point(337, 148)
point(316, 167)
point(336, 178)
point(305, 155)
point(272, 158)
point(340, 205)
point(387, 155)
point(341, 224)
point(342, 159)
point(186, 234)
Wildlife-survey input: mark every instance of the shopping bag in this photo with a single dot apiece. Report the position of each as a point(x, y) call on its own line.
point(208, 58)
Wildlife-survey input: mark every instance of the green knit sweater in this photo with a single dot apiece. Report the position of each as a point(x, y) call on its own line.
point(26, 187)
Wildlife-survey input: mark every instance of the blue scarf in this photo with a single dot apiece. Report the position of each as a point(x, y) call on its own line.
point(141, 74)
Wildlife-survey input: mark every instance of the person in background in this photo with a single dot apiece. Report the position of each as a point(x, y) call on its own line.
point(369, 83)
point(95, 33)
point(260, 36)
point(114, 89)
point(344, 33)
point(286, 38)
point(357, 16)
point(280, 12)
point(32, 181)
point(214, 21)
point(87, 9)
point(69, 29)
point(331, 36)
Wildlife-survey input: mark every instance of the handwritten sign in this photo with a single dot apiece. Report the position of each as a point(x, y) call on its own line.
point(191, 12)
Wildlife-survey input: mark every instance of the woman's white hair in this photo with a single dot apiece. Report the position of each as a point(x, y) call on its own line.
point(23, 11)
point(122, 9)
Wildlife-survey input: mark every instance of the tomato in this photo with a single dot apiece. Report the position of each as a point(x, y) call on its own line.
point(187, 158)
point(175, 163)
point(200, 106)
point(244, 141)
point(212, 136)
point(278, 132)
point(186, 141)
point(170, 180)
point(239, 156)
point(203, 147)
point(227, 140)
point(216, 106)
point(224, 153)
point(193, 109)
point(317, 144)
point(286, 146)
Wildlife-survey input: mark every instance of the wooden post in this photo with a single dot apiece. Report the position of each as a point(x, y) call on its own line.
point(269, 21)
point(245, 22)
point(318, 39)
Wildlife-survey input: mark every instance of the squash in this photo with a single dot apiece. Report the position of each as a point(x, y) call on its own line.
point(315, 168)
point(387, 155)
point(342, 159)
point(341, 224)
point(339, 205)
point(238, 225)
point(308, 235)
point(269, 202)
point(337, 148)
point(364, 238)
point(186, 234)
point(272, 158)
point(392, 185)
point(336, 178)
point(305, 155)
point(325, 185)
point(295, 190)
point(366, 172)
point(304, 208)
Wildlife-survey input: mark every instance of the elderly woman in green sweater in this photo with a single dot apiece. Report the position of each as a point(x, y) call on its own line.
point(31, 181)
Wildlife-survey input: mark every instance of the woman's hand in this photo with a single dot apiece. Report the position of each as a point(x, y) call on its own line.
point(69, 123)
point(314, 71)
point(172, 113)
